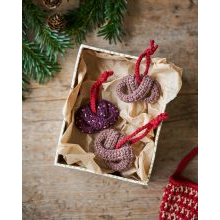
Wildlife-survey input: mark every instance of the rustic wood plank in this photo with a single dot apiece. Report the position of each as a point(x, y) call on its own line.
point(55, 193)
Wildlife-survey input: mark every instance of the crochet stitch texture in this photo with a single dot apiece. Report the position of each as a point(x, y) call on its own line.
point(104, 147)
point(180, 198)
point(128, 89)
point(90, 122)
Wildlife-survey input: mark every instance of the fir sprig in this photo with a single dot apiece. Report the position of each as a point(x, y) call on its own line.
point(32, 16)
point(114, 14)
point(40, 46)
point(85, 18)
point(53, 43)
point(91, 14)
point(35, 64)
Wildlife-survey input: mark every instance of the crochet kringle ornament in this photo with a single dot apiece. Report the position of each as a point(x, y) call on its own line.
point(98, 114)
point(133, 88)
point(115, 149)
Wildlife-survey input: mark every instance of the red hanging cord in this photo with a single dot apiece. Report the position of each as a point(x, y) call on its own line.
point(147, 53)
point(94, 91)
point(151, 125)
point(185, 161)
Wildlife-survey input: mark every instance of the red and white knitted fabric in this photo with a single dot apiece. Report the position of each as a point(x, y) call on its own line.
point(180, 198)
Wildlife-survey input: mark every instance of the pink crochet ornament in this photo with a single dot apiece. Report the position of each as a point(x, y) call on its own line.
point(115, 149)
point(98, 114)
point(134, 88)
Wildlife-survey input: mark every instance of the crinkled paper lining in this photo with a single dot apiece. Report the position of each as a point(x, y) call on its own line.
point(77, 147)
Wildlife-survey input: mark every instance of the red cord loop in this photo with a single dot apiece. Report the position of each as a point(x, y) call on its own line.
point(154, 123)
point(185, 161)
point(147, 53)
point(94, 91)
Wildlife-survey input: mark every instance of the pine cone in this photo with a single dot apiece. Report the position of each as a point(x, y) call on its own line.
point(51, 4)
point(56, 22)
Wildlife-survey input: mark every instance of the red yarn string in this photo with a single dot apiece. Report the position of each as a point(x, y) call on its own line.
point(147, 53)
point(151, 125)
point(94, 91)
point(185, 161)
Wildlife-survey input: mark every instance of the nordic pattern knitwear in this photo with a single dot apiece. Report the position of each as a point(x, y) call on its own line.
point(128, 89)
point(104, 147)
point(134, 88)
point(180, 198)
point(90, 122)
point(98, 114)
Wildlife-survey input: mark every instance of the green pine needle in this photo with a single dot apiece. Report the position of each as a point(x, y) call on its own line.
point(32, 15)
point(92, 14)
point(53, 43)
point(88, 16)
point(40, 46)
point(35, 64)
point(114, 14)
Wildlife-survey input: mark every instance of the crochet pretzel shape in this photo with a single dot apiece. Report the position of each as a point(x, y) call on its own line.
point(134, 88)
point(115, 149)
point(98, 114)
point(104, 147)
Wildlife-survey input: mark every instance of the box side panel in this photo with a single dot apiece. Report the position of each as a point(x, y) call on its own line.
point(155, 148)
point(76, 65)
point(61, 133)
point(83, 46)
point(71, 87)
point(107, 175)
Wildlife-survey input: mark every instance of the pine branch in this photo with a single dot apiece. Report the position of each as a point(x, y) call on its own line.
point(35, 64)
point(88, 16)
point(32, 15)
point(39, 56)
point(53, 43)
point(114, 14)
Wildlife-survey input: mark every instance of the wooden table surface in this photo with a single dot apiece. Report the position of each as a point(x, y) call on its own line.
point(51, 192)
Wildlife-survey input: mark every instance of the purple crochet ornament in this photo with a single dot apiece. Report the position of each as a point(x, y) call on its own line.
point(134, 88)
point(98, 114)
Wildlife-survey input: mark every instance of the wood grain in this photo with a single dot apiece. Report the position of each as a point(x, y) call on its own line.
point(55, 193)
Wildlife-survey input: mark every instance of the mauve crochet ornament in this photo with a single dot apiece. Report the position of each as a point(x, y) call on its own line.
point(105, 148)
point(98, 114)
point(134, 88)
point(115, 149)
